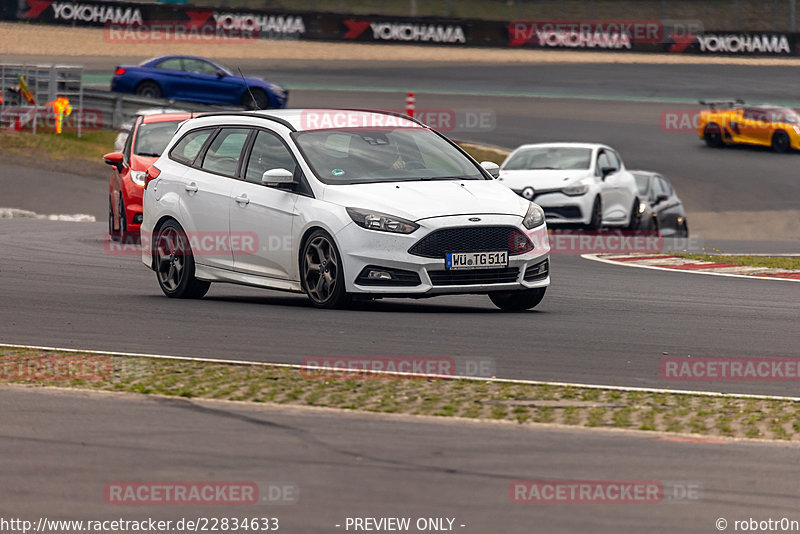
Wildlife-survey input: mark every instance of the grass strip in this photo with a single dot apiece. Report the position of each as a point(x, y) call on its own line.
point(522, 403)
point(774, 262)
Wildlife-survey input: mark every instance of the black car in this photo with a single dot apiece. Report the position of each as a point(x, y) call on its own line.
point(660, 208)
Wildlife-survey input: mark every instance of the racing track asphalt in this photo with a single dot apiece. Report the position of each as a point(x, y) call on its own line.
point(61, 449)
point(598, 323)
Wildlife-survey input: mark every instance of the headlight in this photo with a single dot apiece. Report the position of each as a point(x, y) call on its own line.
point(577, 189)
point(138, 177)
point(642, 207)
point(534, 217)
point(279, 91)
point(373, 220)
point(796, 130)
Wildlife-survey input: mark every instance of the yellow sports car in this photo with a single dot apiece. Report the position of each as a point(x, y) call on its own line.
point(729, 122)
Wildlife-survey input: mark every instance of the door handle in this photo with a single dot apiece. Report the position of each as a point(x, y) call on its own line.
point(192, 187)
point(242, 199)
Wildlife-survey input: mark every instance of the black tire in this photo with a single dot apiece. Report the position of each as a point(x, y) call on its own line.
point(112, 234)
point(683, 231)
point(322, 273)
point(781, 142)
point(174, 263)
point(522, 300)
point(123, 220)
point(259, 100)
point(635, 221)
point(713, 135)
point(596, 222)
point(149, 89)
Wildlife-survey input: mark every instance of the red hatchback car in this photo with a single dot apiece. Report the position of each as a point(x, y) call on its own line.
point(148, 137)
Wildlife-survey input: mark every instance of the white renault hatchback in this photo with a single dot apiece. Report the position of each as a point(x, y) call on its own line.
point(337, 204)
point(575, 183)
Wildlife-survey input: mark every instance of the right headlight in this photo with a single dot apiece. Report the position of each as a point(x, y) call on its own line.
point(534, 217)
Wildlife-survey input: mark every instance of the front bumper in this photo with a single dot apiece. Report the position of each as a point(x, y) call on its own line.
point(362, 248)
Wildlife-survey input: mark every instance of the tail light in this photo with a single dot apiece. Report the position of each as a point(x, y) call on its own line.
point(120, 71)
point(152, 174)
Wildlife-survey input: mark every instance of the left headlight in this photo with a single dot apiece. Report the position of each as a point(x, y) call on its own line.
point(373, 220)
point(534, 217)
point(138, 177)
point(580, 187)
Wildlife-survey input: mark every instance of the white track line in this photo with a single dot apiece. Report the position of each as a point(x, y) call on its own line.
point(594, 257)
point(398, 373)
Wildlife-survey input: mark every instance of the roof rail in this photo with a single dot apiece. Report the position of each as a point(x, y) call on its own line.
point(248, 114)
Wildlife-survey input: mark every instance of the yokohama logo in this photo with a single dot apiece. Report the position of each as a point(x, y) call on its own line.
point(401, 31)
point(96, 13)
point(265, 23)
point(768, 44)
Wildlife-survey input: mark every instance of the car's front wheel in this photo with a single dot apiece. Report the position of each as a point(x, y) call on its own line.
point(635, 221)
point(596, 220)
point(258, 100)
point(518, 300)
point(113, 233)
point(322, 272)
point(780, 141)
point(175, 264)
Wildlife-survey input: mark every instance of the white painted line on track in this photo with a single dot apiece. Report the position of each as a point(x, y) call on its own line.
point(420, 375)
point(595, 257)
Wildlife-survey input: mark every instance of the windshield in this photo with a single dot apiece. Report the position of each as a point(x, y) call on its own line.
point(362, 155)
point(558, 158)
point(152, 139)
point(642, 183)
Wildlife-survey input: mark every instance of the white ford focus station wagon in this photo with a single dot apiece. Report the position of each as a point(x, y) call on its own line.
point(338, 204)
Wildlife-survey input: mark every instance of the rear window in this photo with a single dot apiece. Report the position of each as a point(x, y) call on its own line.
point(189, 146)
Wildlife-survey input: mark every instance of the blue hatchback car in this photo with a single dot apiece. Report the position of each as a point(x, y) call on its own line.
point(196, 79)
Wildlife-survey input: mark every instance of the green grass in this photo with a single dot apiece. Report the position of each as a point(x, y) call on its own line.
point(90, 147)
point(490, 400)
point(775, 262)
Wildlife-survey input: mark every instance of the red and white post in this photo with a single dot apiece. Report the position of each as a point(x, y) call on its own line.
point(411, 104)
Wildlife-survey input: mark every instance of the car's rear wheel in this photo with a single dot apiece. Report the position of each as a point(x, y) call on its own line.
point(780, 141)
point(518, 300)
point(322, 272)
point(713, 135)
point(175, 264)
point(596, 222)
point(149, 89)
point(258, 100)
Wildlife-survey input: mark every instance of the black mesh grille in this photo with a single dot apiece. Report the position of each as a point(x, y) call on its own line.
point(471, 239)
point(566, 212)
point(476, 276)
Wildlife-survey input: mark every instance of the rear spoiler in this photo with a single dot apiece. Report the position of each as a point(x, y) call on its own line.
point(729, 103)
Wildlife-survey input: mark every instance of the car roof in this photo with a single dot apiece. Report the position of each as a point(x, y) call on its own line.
point(324, 119)
point(646, 173)
point(591, 146)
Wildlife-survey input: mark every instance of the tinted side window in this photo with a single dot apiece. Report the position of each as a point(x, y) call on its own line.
point(173, 63)
point(224, 152)
point(187, 148)
point(658, 189)
point(268, 153)
point(665, 186)
point(613, 159)
point(126, 151)
point(199, 66)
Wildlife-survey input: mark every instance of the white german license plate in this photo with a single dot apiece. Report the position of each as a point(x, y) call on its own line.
point(475, 260)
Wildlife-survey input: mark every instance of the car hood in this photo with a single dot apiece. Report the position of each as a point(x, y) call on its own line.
point(544, 179)
point(421, 200)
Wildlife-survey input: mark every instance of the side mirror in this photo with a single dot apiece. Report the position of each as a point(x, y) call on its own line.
point(277, 177)
point(607, 170)
point(661, 198)
point(221, 74)
point(114, 159)
point(491, 167)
